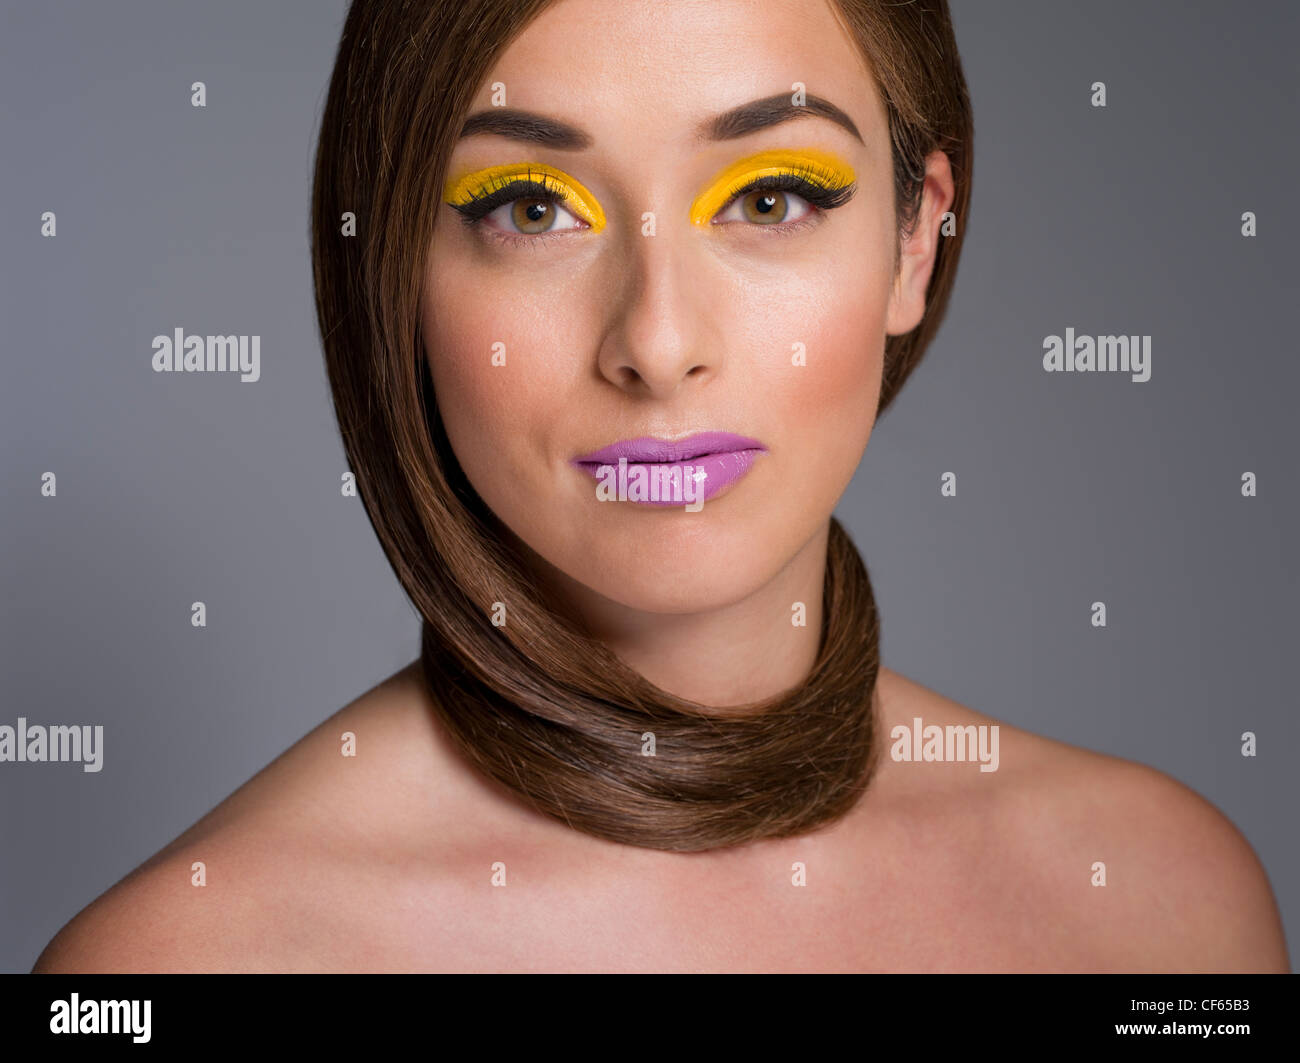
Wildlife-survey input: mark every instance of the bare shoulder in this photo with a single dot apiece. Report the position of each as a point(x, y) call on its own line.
point(1127, 868)
point(289, 850)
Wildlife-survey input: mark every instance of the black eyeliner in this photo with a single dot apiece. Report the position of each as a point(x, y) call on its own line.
point(818, 195)
point(478, 207)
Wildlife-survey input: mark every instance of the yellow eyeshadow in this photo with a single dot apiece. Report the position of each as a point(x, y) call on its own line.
point(474, 185)
point(820, 167)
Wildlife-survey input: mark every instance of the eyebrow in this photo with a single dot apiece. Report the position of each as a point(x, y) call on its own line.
point(770, 111)
point(737, 122)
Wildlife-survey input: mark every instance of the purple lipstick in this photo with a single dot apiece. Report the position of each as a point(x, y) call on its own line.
point(714, 460)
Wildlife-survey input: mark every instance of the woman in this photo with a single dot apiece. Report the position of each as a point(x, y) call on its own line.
point(611, 295)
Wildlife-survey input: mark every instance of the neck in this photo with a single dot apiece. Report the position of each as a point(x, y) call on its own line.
point(741, 653)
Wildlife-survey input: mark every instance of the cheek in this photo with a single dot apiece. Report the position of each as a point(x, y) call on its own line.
point(500, 352)
point(475, 326)
point(820, 328)
point(459, 337)
point(841, 347)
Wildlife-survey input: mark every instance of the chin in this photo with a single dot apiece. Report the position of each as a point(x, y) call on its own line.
point(676, 575)
point(694, 590)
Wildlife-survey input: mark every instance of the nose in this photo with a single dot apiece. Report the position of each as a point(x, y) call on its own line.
point(659, 333)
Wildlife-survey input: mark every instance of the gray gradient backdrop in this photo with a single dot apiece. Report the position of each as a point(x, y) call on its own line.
point(1073, 488)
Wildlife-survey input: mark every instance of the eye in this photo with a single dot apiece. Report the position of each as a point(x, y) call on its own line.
point(523, 204)
point(765, 206)
point(784, 201)
point(530, 215)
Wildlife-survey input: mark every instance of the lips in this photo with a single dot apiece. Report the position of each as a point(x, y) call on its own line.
point(648, 449)
point(722, 457)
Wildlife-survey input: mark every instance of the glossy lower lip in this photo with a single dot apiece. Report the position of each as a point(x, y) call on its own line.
point(723, 458)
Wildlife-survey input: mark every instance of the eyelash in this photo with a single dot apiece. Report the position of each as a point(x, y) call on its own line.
point(822, 197)
point(818, 190)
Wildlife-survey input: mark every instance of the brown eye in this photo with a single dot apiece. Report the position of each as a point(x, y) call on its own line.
point(772, 208)
point(532, 215)
point(765, 207)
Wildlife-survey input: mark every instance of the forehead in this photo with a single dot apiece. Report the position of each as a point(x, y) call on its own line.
point(652, 69)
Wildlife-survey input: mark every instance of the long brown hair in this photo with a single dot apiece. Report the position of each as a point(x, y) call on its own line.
point(537, 704)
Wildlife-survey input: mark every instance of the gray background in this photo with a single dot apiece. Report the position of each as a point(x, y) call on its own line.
point(181, 487)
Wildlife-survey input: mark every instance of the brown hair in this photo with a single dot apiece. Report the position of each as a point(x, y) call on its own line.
point(537, 704)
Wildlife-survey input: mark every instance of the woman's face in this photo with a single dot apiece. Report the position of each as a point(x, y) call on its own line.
point(668, 266)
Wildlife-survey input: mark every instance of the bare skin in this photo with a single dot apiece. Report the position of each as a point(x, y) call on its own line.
point(383, 862)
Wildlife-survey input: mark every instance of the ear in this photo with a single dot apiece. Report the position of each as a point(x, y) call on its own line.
point(918, 251)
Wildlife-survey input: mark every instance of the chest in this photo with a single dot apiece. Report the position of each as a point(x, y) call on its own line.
point(793, 919)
